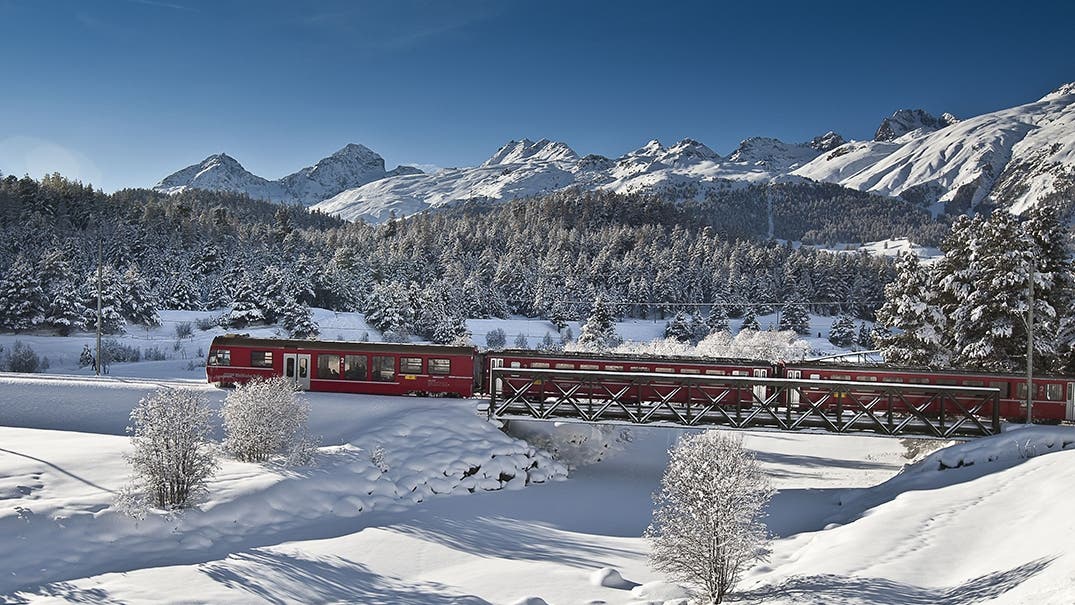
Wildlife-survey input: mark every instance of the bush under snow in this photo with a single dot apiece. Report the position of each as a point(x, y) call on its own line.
point(267, 418)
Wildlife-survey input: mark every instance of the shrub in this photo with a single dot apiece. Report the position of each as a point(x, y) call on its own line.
point(23, 359)
point(206, 323)
point(153, 353)
point(173, 458)
point(266, 418)
point(114, 351)
point(184, 329)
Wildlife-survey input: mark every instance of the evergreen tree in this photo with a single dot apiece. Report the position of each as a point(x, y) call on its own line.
point(600, 329)
point(22, 304)
point(298, 320)
point(112, 321)
point(795, 317)
point(717, 321)
point(245, 308)
point(865, 337)
point(679, 328)
point(842, 332)
point(750, 321)
point(520, 341)
point(65, 311)
point(452, 331)
point(911, 325)
point(137, 303)
point(547, 343)
point(183, 294)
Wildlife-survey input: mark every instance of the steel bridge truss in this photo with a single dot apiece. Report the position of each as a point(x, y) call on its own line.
point(692, 400)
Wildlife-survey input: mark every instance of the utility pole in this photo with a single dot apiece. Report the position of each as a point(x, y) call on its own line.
point(1030, 345)
point(100, 262)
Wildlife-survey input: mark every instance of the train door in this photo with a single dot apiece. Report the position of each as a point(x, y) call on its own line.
point(793, 392)
point(495, 362)
point(297, 369)
point(1071, 401)
point(759, 391)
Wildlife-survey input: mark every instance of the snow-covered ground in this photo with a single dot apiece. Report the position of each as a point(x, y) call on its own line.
point(452, 519)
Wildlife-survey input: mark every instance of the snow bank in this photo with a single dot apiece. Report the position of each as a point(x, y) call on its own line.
point(58, 490)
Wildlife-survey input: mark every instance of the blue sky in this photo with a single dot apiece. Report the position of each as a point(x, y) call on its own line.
point(123, 92)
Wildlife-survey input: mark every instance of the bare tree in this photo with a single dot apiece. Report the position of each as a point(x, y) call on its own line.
point(173, 458)
point(266, 418)
point(706, 525)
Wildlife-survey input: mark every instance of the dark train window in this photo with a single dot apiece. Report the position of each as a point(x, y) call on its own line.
point(841, 377)
point(689, 371)
point(589, 366)
point(384, 368)
point(891, 379)
point(410, 365)
point(664, 370)
point(918, 380)
point(328, 366)
point(740, 373)
point(1020, 390)
point(220, 357)
point(261, 359)
point(354, 367)
point(865, 378)
point(1003, 386)
point(946, 382)
point(716, 372)
point(540, 365)
point(612, 368)
point(443, 367)
point(639, 369)
point(1054, 392)
point(973, 383)
point(565, 366)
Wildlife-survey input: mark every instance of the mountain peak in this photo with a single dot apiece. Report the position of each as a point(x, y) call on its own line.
point(826, 142)
point(903, 121)
point(1061, 91)
point(514, 152)
point(688, 151)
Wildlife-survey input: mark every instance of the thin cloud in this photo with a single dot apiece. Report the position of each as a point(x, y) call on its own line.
point(156, 3)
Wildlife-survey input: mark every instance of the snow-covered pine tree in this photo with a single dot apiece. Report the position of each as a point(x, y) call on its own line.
point(298, 320)
point(496, 339)
point(698, 326)
point(795, 317)
point(750, 320)
point(842, 331)
point(246, 306)
point(1054, 287)
point(717, 320)
point(520, 341)
point(547, 343)
point(388, 308)
point(679, 328)
point(183, 294)
point(865, 336)
point(112, 321)
point(452, 331)
point(600, 329)
point(138, 304)
point(22, 304)
point(911, 326)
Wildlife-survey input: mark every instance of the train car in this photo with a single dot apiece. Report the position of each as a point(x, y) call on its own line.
point(1054, 396)
point(345, 367)
point(620, 363)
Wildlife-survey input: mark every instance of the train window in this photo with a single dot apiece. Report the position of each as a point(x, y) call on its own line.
point(689, 371)
point(589, 366)
point(261, 359)
point(740, 373)
point(664, 370)
point(354, 367)
point(443, 367)
point(891, 379)
point(1002, 386)
point(289, 367)
point(516, 364)
point(918, 380)
point(220, 357)
point(384, 368)
point(328, 366)
point(639, 369)
point(1020, 390)
point(565, 366)
point(815, 377)
point(946, 382)
point(716, 372)
point(841, 377)
point(1054, 392)
point(865, 378)
point(612, 368)
point(973, 383)
point(541, 365)
point(410, 365)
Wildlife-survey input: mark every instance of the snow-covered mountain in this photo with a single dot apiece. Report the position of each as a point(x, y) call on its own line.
point(687, 169)
point(350, 167)
point(1009, 158)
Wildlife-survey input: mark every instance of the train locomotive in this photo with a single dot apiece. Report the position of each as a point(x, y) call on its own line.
point(464, 371)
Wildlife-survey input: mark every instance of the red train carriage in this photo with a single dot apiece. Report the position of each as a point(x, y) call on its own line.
point(610, 362)
point(1054, 396)
point(345, 367)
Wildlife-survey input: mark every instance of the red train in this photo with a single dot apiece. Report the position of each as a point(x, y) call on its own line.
point(402, 369)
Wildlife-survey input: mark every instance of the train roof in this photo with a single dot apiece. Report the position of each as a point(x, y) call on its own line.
point(881, 367)
point(637, 357)
point(244, 340)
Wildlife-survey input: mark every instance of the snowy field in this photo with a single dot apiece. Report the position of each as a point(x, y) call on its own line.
point(464, 513)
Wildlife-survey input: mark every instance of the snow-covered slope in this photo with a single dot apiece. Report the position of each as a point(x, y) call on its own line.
point(687, 169)
point(1009, 158)
point(352, 166)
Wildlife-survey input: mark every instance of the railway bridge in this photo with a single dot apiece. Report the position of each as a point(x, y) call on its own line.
point(691, 400)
